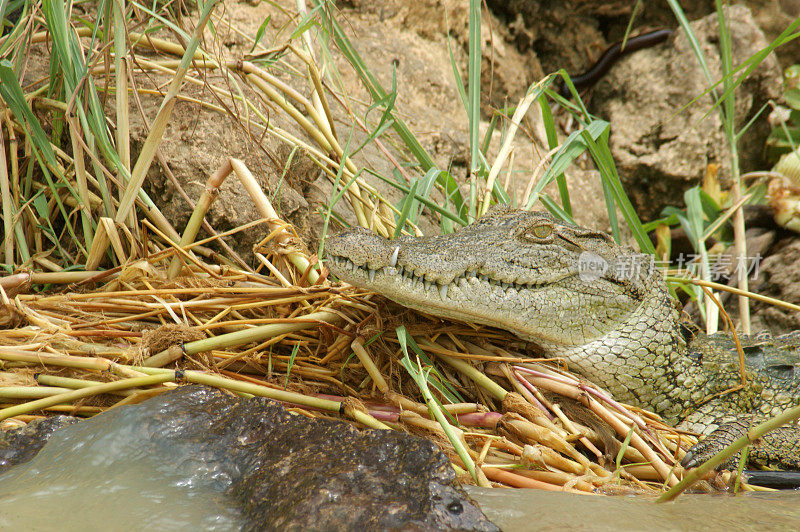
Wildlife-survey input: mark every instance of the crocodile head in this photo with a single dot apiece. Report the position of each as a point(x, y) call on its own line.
point(546, 281)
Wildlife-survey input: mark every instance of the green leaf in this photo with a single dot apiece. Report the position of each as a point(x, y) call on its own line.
point(608, 172)
point(426, 184)
point(449, 181)
point(441, 385)
point(792, 97)
point(295, 349)
point(12, 94)
point(570, 149)
point(554, 209)
point(694, 216)
point(711, 208)
point(552, 141)
point(421, 378)
point(260, 32)
point(668, 217)
point(373, 86)
point(408, 202)
point(306, 23)
point(474, 83)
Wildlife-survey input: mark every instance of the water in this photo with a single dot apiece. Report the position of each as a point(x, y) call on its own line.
point(524, 510)
point(121, 478)
point(113, 480)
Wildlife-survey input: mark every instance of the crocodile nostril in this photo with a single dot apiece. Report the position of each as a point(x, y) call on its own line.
point(455, 507)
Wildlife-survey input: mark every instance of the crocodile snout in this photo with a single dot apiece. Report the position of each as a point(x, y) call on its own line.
point(362, 247)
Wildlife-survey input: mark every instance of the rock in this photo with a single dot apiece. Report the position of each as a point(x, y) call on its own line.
point(284, 471)
point(778, 276)
point(20, 445)
point(196, 143)
point(571, 34)
point(662, 150)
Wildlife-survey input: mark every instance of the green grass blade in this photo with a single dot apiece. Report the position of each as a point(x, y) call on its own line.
point(608, 172)
point(420, 377)
point(440, 383)
point(445, 213)
point(336, 195)
point(408, 202)
point(726, 65)
point(456, 72)
point(611, 209)
point(290, 364)
point(572, 147)
point(554, 209)
point(12, 94)
point(426, 184)
point(474, 83)
point(260, 33)
point(552, 141)
point(677, 10)
point(377, 92)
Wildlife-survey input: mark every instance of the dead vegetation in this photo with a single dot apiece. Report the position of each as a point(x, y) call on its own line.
point(104, 339)
point(109, 304)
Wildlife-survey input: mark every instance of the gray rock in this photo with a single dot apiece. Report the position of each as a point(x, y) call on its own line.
point(20, 445)
point(662, 150)
point(281, 470)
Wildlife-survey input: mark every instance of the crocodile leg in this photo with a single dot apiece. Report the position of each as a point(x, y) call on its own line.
point(778, 448)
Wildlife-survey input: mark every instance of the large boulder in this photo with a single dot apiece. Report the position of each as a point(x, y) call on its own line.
point(661, 148)
point(277, 470)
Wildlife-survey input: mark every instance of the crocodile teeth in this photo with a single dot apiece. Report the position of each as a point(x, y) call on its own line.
point(443, 291)
point(427, 284)
point(349, 265)
point(371, 275)
point(401, 270)
point(393, 260)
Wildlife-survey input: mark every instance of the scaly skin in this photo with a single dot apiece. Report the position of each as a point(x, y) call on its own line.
point(616, 324)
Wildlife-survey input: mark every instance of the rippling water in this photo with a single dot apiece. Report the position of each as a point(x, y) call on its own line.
point(117, 478)
point(518, 510)
point(112, 479)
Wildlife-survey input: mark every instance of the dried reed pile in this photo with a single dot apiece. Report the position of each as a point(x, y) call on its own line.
point(106, 340)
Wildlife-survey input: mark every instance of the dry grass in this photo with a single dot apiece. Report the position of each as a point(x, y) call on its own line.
point(87, 346)
point(129, 301)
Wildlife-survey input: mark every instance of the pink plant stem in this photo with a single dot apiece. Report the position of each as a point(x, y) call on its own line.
point(527, 392)
point(588, 389)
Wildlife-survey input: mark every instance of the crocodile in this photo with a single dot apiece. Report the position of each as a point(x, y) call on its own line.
point(603, 308)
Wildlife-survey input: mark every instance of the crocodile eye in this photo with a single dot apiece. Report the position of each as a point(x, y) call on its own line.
point(542, 231)
point(538, 232)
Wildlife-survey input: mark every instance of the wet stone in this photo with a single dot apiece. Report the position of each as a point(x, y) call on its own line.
point(18, 446)
point(286, 471)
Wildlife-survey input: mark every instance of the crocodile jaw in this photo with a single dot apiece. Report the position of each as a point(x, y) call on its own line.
point(454, 300)
point(487, 274)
